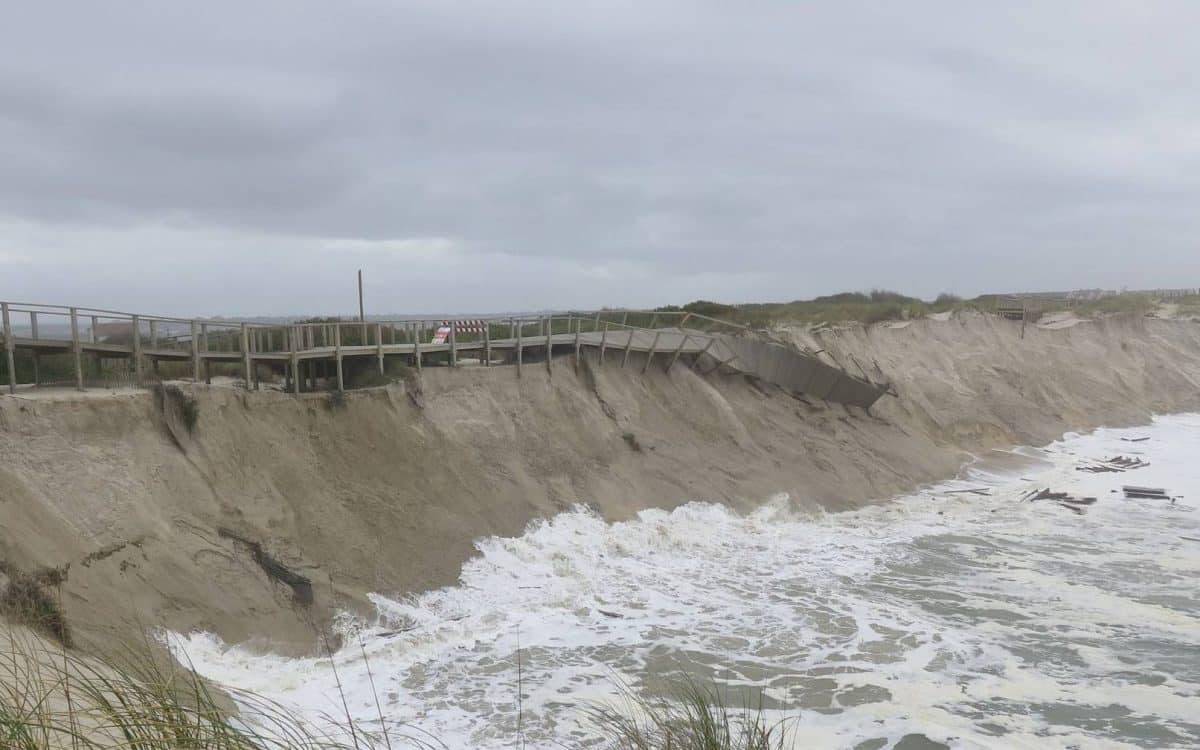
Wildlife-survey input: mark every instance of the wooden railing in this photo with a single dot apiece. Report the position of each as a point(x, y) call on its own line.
point(300, 349)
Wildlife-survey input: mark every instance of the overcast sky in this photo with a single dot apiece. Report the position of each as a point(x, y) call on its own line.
point(245, 158)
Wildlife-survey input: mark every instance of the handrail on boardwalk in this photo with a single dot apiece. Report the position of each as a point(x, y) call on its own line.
point(298, 346)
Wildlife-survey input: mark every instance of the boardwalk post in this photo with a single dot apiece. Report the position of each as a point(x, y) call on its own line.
point(487, 343)
point(154, 334)
point(136, 325)
point(628, 346)
point(293, 334)
point(207, 361)
point(650, 355)
point(453, 344)
point(416, 345)
point(712, 340)
point(95, 325)
point(246, 364)
point(195, 352)
point(519, 348)
point(683, 321)
point(337, 353)
point(76, 348)
point(578, 326)
point(603, 339)
point(549, 341)
point(596, 324)
point(678, 351)
point(379, 345)
point(720, 364)
point(33, 327)
point(653, 320)
point(9, 345)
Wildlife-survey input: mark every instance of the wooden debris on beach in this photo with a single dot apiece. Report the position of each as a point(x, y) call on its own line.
point(1135, 439)
point(1046, 494)
point(971, 490)
point(1145, 493)
point(1115, 464)
point(1061, 499)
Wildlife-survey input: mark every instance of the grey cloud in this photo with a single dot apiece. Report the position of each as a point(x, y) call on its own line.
point(772, 151)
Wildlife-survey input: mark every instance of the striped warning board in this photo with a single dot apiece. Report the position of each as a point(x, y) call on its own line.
point(442, 334)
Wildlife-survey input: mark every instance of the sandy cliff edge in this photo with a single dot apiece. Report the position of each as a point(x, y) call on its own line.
point(389, 492)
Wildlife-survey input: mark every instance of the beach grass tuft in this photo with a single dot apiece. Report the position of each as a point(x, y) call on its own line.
point(52, 698)
point(693, 717)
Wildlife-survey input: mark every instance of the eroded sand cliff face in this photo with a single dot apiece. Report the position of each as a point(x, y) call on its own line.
point(388, 492)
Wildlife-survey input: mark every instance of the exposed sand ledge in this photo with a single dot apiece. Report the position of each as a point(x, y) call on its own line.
point(388, 493)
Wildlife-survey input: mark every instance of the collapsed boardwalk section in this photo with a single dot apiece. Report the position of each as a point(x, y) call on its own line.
point(307, 350)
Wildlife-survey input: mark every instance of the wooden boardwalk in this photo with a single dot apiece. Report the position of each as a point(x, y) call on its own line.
point(302, 349)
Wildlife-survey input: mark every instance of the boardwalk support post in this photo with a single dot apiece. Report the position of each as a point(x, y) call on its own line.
point(603, 338)
point(76, 348)
point(207, 348)
point(379, 346)
point(650, 354)
point(678, 351)
point(549, 341)
point(720, 364)
point(246, 365)
point(195, 352)
point(487, 343)
point(9, 345)
point(416, 334)
point(453, 344)
point(337, 352)
point(520, 347)
point(33, 327)
point(578, 326)
point(293, 333)
point(696, 361)
point(628, 346)
point(136, 325)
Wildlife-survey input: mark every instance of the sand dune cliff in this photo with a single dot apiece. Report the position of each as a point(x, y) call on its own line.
point(388, 491)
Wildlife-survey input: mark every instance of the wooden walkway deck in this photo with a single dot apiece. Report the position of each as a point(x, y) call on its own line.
point(299, 349)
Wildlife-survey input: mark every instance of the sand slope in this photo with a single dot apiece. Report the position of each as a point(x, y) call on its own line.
point(389, 492)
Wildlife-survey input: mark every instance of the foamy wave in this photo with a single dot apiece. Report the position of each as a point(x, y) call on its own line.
point(969, 618)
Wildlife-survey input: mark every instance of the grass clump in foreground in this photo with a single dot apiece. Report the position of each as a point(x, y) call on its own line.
point(53, 698)
point(26, 599)
point(696, 717)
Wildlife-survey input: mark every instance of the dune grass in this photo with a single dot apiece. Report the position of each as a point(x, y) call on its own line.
point(693, 717)
point(53, 698)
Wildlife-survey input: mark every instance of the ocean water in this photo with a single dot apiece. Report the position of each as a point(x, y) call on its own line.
point(944, 618)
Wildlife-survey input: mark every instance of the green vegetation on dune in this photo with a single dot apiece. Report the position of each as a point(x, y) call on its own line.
point(863, 307)
point(881, 305)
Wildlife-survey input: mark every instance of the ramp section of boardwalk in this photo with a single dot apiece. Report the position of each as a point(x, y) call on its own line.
point(307, 352)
